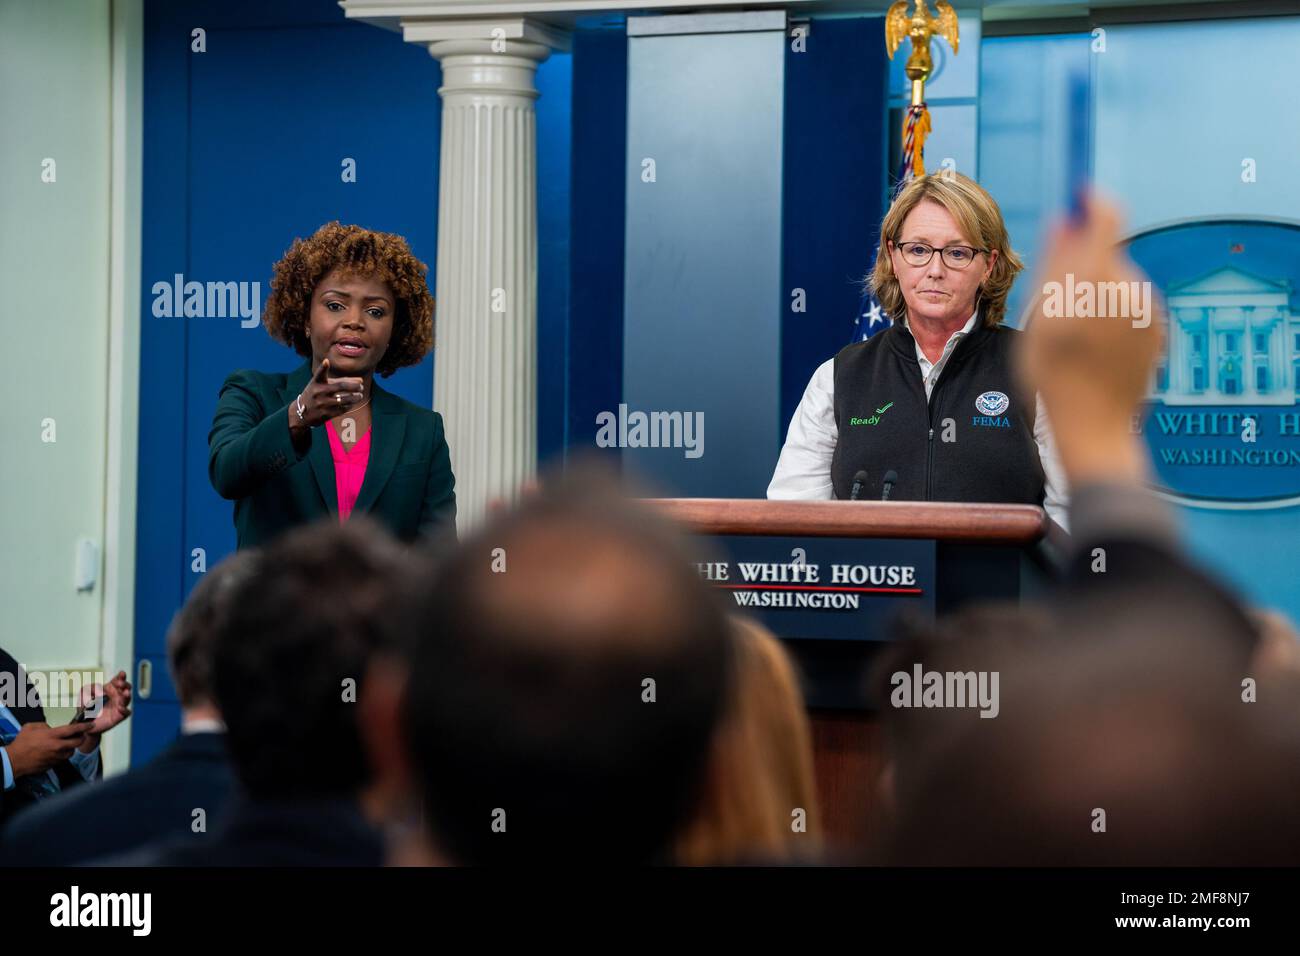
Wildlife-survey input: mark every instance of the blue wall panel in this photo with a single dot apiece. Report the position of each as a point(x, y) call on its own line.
point(243, 146)
point(833, 191)
point(703, 257)
point(1023, 138)
point(554, 148)
point(594, 348)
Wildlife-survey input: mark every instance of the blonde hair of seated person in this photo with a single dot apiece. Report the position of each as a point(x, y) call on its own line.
point(759, 803)
point(1278, 651)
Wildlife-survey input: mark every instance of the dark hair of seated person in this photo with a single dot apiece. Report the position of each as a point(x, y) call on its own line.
point(1116, 743)
point(527, 696)
point(192, 633)
point(291, 654)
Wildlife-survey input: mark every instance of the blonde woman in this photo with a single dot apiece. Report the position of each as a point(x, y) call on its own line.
point(933, 401)
point(759, 803)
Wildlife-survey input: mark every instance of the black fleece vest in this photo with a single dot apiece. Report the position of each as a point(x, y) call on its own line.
point(973, 440)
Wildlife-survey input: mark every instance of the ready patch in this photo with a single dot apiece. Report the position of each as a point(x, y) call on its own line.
point(874, 419)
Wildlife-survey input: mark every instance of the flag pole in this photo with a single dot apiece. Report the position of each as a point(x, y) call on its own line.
point(920, 28)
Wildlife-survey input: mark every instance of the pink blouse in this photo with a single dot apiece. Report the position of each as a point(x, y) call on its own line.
point(349, 468)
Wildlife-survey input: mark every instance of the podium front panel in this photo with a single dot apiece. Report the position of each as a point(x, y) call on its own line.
point(805, 588)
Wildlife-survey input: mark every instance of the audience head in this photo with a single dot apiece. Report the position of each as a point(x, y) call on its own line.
point(192, 635)
point(1119, 747)
point(759, 803)
point(978, 638)
point(1277, 654)
point(292, 652)
point(568, 670)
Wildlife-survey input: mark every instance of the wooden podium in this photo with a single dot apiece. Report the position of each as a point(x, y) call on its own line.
point(927, 557)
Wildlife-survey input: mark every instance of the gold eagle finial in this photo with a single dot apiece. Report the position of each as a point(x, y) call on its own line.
point(920, 27)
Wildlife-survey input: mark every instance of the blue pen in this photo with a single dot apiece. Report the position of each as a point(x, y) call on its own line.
point(1078, 148)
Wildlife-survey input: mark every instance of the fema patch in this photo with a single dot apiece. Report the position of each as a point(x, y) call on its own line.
point(992, 403)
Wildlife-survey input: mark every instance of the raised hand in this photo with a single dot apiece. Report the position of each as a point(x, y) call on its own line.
point(1092, 371)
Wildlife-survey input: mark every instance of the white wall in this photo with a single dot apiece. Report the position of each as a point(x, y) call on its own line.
point(63, 282)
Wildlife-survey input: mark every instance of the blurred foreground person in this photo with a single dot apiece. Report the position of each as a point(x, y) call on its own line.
point(1135, 719)
point(292, 657)
point(1124, 746)
point(162, 798)
point(760, 798)
point(569, 669)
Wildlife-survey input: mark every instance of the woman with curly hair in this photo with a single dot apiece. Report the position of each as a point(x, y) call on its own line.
point(326, 439)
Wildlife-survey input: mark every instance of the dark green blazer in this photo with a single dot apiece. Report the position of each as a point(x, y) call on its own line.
point(408, 486)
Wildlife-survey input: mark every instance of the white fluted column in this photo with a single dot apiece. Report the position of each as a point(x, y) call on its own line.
point(485, 364)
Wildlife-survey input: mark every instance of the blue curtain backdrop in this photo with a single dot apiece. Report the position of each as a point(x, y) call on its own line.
point(243, 152)
point(243, 146)
point(834, 189)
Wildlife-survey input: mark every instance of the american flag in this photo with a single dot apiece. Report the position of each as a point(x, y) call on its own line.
point(872, 319)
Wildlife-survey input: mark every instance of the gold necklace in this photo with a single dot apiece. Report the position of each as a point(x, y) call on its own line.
point(357, 409)
point(348, 414)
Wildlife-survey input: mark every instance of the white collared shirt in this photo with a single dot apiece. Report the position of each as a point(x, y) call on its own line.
point(202, 725)
point(803, 471)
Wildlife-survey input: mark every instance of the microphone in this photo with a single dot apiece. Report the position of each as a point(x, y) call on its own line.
point(858, 481)
point(891, 476)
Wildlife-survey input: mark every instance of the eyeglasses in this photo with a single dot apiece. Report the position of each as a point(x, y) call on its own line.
point(954, 257)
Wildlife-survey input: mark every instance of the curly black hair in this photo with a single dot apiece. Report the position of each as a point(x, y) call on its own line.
point(358, 252)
